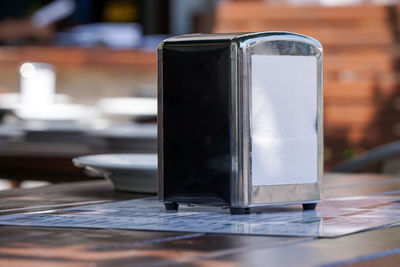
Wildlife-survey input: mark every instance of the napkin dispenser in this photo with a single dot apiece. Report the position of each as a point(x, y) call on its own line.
point(240, 120)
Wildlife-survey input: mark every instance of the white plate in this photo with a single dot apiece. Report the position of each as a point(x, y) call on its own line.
point(127, 131)
point(128, 172)
point(53, 126)
point(11, 101)
point(56, 112)
point(61, 110)
point(129, 106)
point(9, 131)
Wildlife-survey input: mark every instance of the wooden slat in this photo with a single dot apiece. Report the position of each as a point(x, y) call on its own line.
point(360, 61)
point(355, 134)
point(349, 114)
point(362, 90)
point(310, 23)
point(79, 56)
point(337, 37)
point(241, 10)
point(378, 27)
point(339, 26)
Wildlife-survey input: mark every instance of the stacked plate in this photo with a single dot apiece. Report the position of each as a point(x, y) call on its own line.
point(54, 131)
point(10, 132)
point(128, 137)
point(132, 108)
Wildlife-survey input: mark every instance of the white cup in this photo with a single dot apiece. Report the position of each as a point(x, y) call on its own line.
point(37, 84)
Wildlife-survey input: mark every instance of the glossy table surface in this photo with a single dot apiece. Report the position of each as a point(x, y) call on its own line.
point(43, 246)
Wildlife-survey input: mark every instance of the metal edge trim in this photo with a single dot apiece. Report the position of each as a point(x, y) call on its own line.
point(160, 136)
point(277, 36)
point(320, 111)
point(243, 44)
point(240, 182)
point(236, 177)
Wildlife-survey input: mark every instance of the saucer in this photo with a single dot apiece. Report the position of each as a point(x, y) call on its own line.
point(128, 172)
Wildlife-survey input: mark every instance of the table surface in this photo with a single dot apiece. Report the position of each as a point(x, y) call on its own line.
point(42, 246)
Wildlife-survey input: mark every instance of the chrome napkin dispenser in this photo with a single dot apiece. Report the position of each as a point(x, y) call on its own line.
point(240, 120)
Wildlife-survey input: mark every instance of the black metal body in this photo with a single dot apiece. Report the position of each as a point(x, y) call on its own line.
point(196, 122)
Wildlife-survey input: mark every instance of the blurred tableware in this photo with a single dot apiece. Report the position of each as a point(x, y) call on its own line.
point(8, 132)
point(129, 107)
point(128, 137)
point(37, 84)
point(46, 138)
point(55, 131)
point(59, 110)
point(11, 101)
point(56, 112)
point(37, 99)
point(128, 172)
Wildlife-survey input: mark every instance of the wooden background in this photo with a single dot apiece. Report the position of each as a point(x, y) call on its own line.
point(361, 67)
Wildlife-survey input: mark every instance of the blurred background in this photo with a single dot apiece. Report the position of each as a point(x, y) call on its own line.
point(95, 65)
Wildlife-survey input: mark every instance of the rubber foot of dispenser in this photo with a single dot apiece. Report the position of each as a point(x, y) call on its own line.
point(309, 206)
point(235, 210)
point(171, 205)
